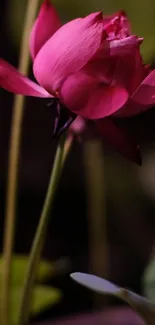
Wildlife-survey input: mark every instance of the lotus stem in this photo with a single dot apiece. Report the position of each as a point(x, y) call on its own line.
point(14, 153)
point(39, 238)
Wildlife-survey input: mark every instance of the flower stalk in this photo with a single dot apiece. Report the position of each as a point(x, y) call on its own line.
point(39, 238)
point(15, 140)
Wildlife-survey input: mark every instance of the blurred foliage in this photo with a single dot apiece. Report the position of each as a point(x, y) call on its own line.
point(141, 14)
point(19, 266)
point(149, 279)
point(43, 295)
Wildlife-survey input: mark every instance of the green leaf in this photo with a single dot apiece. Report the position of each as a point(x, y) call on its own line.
point(144, 307)
point(19, 267)
point(43, 297)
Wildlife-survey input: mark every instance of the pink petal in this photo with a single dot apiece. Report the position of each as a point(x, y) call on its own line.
point(145, 93)
point(78, 126)
point(124, 21)
point(117, 26)
point(118, 139)
point(118, 47)
point(142, 99)
point(46, 24)
point(15, 82)
point(108, 18)
point(68, 50)
point(83, 95)
point(123, 46)
point(129, 70)
point(102, 70)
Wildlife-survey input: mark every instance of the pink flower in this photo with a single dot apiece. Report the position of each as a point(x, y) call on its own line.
point(77, 129)
point(92, 66)
point(78, 126)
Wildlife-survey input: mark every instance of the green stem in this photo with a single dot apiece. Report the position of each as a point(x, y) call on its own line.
point(40, 235)
point(14, 152)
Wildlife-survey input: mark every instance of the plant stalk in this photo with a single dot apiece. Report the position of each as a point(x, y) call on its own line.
point(14, 153)
point(39, 238)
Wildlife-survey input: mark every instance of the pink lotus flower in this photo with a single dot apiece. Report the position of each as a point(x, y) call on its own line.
point(78, 125)
point(92, 66)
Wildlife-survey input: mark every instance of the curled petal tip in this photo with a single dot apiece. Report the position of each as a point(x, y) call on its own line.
point(122, 13)
point(95, 17)
point(47, 2)
point(98, 16)
point(140, 40)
